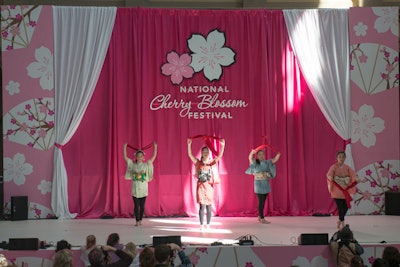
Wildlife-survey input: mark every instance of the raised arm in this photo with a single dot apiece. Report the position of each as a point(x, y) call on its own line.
point(153, 157)
point(190, 154)
point(125, 155)
point(276, 158)
point(251, 156)
point(221, 151)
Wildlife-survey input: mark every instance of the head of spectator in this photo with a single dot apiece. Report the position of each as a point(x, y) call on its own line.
point(356, 261)
point(62, 244)
point(97, 257)
point(90, 241)
point(113, 239)
point(391, 255)
point(162, 254)
point(378, 262)
point(130, 248)
point(63, 258)
point(346, 234)
point(146, 257)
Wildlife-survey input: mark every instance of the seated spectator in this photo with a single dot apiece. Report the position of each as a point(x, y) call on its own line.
point(356, 261)
point(130, 248)
point(165, 255)
point(392, 256)
point(99, 257)
point(62, 244)
point(344, 246)
point(113, 241)
point(146, 257)
point(85, 250)
point(63, 258)
point(378, 262)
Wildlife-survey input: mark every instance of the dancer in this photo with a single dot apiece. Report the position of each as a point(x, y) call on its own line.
point(140, 172)
point(205, 177)
point(342, 180)
point(263, 170)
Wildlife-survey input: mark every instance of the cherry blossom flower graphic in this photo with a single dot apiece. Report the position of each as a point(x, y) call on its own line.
point(13, 87)
point(210, 54)
point(42, 68)
point(44, 187)
point(16, 169)
point(18, 24)
point(365, 126)
point(178, 67)
point(360, 29)
point(318, 261)
point(388, 19)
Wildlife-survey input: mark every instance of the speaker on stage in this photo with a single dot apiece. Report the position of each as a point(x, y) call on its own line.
point(313, 239)
point(175, 239)
point(19, 208)
point(23, 244)
point(392, 203)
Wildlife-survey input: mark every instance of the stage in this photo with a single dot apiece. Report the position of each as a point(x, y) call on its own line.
point(373, 232)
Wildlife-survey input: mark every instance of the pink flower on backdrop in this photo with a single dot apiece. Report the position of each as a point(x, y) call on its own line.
point(395, 188)
point(363, 58)
point(377, 199)
point(393, 176)
point(368, 172)
point(366, 195)
point(249, 264)
point(371, 259)
point(203, 250)
point(178, 67)
point(373, 184)
point(385, 172)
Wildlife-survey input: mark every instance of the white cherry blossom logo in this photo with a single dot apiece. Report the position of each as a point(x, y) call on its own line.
point(42, 68)
point(210, 54)
point(16, 169)
point(365, 126)
point(360, 29)
point(388, 19)
point(44, 187)
point(13, 88)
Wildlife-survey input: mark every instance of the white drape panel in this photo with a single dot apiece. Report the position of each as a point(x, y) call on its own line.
point(321, 44)
point(81, 39)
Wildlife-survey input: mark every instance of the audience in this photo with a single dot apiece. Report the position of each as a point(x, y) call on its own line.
point(99, 257)
point(62, 244)
point(165, 255)
point(146, 257)
point(85, 250)
point(392, 256)
point(130, 248)
point(344, 247)
point(63, 258)
point(356, 261)
point(113, 241)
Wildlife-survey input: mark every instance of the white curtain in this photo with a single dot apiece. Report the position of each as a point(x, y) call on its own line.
point(321, 44)
point(81, 39)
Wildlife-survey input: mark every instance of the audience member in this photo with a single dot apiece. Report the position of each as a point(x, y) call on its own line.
point(356, 261)
point(98, 257)
point(165, 255)
point(344, 246)
point(85, 250)
point(378, 262)
point(146, 257)
point(63, 258)
point(62, 244)
point(113, 241)
point(130, 248)
point(392, 256)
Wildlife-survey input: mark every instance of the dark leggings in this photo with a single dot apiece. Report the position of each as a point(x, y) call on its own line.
point(342, 208)
point(139, 207)
point(261, 204)
point(201, 213)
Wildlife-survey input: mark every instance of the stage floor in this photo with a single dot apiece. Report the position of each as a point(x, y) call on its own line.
point(227, 230)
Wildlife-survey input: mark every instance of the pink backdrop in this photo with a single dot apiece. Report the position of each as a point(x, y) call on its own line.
point(264, 76)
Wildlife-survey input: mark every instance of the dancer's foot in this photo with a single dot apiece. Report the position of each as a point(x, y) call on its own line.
point(137, 223)
point(201, 227)
point(264, 221)
point(208, 227)
point(140, 222)
point(339, 223)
